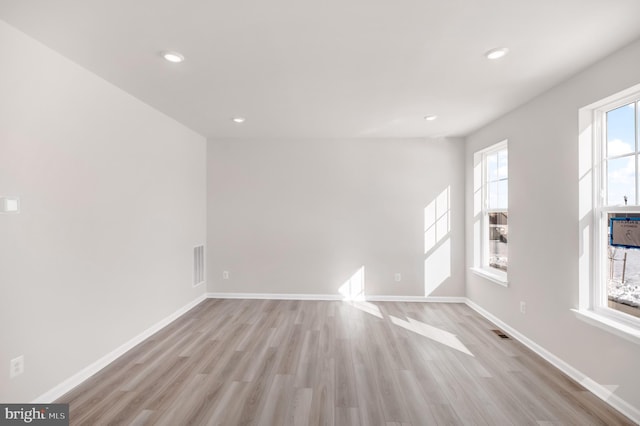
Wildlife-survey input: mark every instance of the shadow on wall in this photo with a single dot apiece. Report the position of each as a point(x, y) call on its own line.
point(437, 244)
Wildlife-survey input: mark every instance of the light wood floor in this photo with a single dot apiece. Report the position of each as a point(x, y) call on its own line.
point(266, 362)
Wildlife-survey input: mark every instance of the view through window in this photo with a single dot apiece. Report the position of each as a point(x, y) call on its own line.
point(497, 203)
point(620, 184)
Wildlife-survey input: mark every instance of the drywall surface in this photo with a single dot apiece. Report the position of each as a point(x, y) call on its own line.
point(336, 217)
point(545, 225)
point(112, 203)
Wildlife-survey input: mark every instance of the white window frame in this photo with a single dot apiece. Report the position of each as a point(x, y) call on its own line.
point(593, 307)
point(483, 269)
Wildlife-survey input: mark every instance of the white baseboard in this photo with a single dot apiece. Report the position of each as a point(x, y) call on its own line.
point(274, 296)
point(591, 385)
point(428, 299)
point(291, 296)
point(98, 365)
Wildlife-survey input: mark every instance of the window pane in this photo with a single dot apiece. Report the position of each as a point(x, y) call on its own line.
point(503, 194)
point(492, 167)
point(623, 278)
point(621, 181)
point(503, 169)
point(498, 238)
point(621, 130)
point(493, 195)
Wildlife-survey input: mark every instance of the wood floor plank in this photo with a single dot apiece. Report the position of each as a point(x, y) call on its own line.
point(229, 409)
point(323, 401)
point(277, 402)
point(142, 418)
point(287, 362)
point(369, 397)
point(300, 408)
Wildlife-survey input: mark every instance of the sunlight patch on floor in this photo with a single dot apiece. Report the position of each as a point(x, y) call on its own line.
point(433, 333)
point(367, 307)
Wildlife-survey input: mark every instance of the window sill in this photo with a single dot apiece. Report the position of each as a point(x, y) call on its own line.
point(496, 277)
point(610, 325)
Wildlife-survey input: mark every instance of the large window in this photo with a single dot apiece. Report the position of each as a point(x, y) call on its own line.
point(609, 214)
point(492, 198)
point(617, 283)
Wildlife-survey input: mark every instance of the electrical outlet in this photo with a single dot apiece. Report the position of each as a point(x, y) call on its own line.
point(397, 276)
point(225, 275)
point(9, 205)
point(523, 308)
point(16, 366)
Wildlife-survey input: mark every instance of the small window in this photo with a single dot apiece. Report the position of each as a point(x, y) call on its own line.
point(491, 201)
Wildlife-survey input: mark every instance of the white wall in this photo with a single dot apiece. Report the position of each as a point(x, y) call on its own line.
point(544, 226)
point(113, 201)
point(302, 216)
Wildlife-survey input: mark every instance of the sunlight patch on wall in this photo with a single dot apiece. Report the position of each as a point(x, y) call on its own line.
point(433, 333)
point(437, 245)
point(437, 223)
point(437, 267)
point(353, 288)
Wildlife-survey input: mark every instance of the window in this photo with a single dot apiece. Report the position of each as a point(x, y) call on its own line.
point(617, 284)
point(609, 214)
point(491, 201)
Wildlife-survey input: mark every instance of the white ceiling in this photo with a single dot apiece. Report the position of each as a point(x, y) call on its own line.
point(331, 68)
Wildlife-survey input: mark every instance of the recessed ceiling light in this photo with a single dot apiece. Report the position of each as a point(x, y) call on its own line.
point(496, 53)
point(430, 117)
point(174, 57)
point(238, 119)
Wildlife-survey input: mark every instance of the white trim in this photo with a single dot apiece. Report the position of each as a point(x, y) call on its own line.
point(591, 385)
point(101, 363)
point(491, 276)
point(372, 298)
point(428, 299)
point(274, 296)
point(610, 325)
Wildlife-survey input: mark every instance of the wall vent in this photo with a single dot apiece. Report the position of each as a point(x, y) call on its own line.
point(500, 334)
point(198, 265)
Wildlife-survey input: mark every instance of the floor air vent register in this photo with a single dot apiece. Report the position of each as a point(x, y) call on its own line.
point(500, 334)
